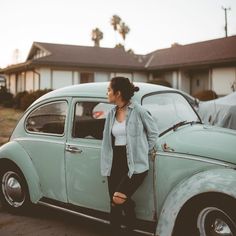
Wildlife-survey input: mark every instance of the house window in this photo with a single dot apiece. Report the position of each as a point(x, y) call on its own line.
point(86, 77)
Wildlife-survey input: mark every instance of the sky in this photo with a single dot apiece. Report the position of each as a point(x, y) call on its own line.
point(154, 24)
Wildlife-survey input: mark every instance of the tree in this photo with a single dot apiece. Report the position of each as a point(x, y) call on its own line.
point(97, 35)
point(123, 30)
point(115, 21)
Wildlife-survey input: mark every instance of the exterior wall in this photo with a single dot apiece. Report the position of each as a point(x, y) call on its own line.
point(45, 78)
point(174, 82)
point(184, 82)
point(21, 83)
point(140, 77)
point(76, 77)
point(101, 76)
point(223, 79)
point(29, 81)
point(61, 79)
point(127, 75)
point(199, 81)
point(12, 83)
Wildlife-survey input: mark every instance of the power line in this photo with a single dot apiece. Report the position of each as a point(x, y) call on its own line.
point(226, 24)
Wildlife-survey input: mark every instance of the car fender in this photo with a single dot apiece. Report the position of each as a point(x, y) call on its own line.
point(14, 152)
point(215, 180)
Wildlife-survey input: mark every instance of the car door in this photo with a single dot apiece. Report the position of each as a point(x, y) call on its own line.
point(85, 185)
point(44, 141)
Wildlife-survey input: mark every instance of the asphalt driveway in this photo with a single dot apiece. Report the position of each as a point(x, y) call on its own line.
point(42, 221)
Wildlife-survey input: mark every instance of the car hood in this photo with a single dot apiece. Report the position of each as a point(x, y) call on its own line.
point(201, 140)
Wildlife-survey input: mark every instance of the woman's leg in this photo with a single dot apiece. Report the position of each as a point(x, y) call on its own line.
point(123, 194)
point(119, 169)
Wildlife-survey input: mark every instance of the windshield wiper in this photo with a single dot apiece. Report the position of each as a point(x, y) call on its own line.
point(181, 123)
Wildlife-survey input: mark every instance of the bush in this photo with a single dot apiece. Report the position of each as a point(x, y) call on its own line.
point(24, 99)
point(161, 82)
point(6, 98)
point(18, 97)
point(206, 95)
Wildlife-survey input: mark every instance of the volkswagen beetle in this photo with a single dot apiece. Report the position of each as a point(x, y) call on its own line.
point(53, 159)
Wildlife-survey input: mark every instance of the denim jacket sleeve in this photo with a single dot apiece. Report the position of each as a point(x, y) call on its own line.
point(150, 127)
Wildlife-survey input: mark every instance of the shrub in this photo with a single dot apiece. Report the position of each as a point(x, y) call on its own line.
point(206, 95)
point(28, 98)
point(161, 82)
point(6, 98)
point(18, 97)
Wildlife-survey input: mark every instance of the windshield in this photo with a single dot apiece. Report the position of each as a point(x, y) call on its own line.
point(169, 109)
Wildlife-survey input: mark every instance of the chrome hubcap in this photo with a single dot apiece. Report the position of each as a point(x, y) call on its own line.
point(12, 189)
point(215, 222)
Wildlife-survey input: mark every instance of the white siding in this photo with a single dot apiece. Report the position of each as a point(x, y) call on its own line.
point(222, 80)
point(61, 79)
point(75, 77)
point(45, 78)
point(29, 81)
point(21, 82)
point(184, 82)
point(140, 77)
point(175, 75)
point(101, 77)
point(12, 87)
point(127, 75)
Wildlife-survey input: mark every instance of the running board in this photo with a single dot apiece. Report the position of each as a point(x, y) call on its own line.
point(87, 216)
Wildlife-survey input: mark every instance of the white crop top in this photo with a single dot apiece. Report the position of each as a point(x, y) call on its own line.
point(119, 132)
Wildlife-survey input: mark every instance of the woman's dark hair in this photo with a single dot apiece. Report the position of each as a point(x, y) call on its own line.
point(125, 87)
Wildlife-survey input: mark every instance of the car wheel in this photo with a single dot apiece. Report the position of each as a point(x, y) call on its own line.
point(207, 219)
point(14, 191)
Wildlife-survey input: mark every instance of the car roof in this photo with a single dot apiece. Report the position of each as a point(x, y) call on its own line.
point(98, 90)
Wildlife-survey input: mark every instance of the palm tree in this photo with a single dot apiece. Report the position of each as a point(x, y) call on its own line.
point(97, 35)
point(115, 21)
point(124, 30)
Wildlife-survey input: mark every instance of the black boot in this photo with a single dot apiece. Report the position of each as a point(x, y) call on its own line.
point(115, 220)
point(130, 216)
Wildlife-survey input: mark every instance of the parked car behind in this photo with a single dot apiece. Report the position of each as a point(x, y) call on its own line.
point(53, 159)
point(220, 112)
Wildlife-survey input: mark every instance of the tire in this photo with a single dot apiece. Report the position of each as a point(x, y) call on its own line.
point(14, 194)
point(207, 218)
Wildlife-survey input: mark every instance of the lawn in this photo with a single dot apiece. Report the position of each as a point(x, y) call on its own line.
point(8, 120)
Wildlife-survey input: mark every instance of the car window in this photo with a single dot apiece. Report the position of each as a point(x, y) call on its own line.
point(49, 118)
point(89, 119)
point(168, 109)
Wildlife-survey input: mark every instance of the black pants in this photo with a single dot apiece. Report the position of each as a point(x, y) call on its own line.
point(119, 181)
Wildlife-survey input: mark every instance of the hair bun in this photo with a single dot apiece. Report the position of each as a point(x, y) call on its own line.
point(136, 89)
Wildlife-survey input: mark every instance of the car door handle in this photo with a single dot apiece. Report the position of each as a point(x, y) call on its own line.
point(73, 149)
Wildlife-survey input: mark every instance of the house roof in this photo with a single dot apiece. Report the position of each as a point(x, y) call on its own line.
point(210, 52)
point(83, 56)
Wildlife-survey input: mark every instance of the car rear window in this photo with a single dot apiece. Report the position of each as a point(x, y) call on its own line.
point(48, 118)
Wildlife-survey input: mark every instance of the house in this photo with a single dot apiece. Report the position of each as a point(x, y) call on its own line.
point(191, 68)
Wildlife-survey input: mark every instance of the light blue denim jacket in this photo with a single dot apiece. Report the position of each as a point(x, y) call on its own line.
point(141, 138)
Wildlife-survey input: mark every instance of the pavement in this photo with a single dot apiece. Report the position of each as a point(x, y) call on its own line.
point(42, 221)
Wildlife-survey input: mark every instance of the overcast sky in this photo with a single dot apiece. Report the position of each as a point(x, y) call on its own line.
point(154, 24)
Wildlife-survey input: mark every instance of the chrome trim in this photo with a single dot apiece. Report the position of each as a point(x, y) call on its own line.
point(196, 158)
point(219, 226)
point(86, 216)
point(73, 149)
point(12, 189)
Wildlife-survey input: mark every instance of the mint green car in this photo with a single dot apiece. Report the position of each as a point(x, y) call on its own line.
point(53, 159)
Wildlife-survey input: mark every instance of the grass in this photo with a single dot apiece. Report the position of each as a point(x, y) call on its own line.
point(8, 120)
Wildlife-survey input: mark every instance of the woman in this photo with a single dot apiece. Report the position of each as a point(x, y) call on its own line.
point(129, 136)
